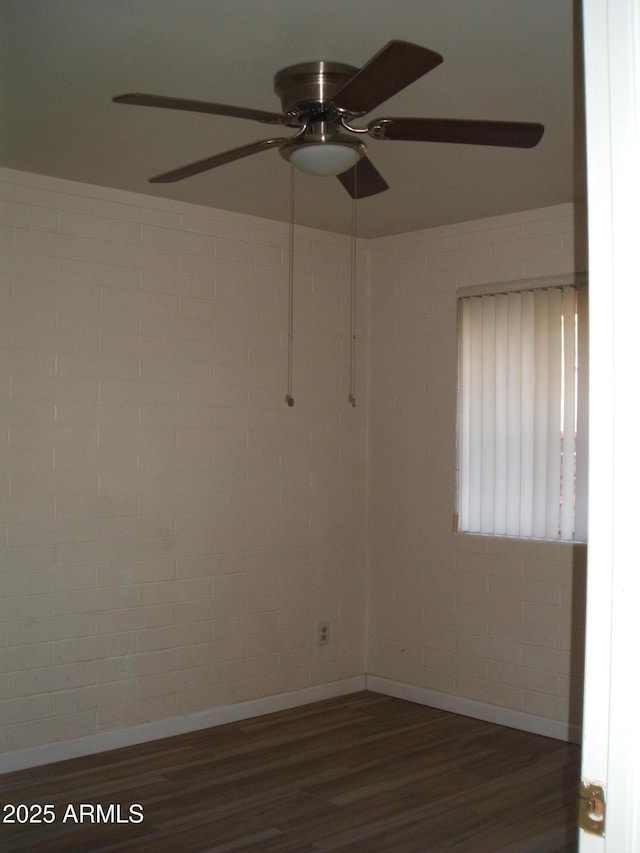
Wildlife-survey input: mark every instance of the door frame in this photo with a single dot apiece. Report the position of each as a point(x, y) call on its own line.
point(611, 740)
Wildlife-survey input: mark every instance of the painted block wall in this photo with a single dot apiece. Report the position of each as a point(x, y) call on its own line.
point(171, 531)
point(497, 621)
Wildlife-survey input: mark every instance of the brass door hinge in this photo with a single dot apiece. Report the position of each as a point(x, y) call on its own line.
point(591, 807)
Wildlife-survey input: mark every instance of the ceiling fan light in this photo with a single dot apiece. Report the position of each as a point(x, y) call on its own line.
point(325, 158)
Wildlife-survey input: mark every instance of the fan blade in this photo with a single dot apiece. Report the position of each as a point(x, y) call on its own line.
point(507, 133)
point(397, 65)
point(200, 107)
point(363, 180)
point(216, 160)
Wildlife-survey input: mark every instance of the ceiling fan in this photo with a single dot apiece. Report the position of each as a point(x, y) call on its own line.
point(321, 100)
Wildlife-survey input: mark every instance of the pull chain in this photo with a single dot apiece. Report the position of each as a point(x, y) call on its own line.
point(352, 334)
point(289, 398)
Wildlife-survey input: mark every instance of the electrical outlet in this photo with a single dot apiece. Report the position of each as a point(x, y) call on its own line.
point(323, 633)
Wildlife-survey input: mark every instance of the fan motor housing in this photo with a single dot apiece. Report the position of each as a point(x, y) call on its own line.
point(308, 87)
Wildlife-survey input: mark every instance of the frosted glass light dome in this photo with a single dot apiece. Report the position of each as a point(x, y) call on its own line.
point(325, 158)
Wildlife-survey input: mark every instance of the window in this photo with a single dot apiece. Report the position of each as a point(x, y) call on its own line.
point(521, 420)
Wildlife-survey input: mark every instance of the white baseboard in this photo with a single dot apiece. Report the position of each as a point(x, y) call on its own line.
point(48, 753)
point(469, 708)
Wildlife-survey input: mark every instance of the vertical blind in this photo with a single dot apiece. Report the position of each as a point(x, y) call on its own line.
point(518, 414)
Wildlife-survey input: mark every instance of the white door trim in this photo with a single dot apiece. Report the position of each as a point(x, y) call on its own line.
point(610, 732)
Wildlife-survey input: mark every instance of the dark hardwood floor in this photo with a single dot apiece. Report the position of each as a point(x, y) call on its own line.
point(363, 772)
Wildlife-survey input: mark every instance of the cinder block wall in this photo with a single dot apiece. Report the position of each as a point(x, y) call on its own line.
point(172, 531)
point(491, 620)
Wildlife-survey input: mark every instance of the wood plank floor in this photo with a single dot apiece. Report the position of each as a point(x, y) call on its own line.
point(363, 772)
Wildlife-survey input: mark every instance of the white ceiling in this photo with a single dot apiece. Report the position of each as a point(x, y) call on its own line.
point(63, 61)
